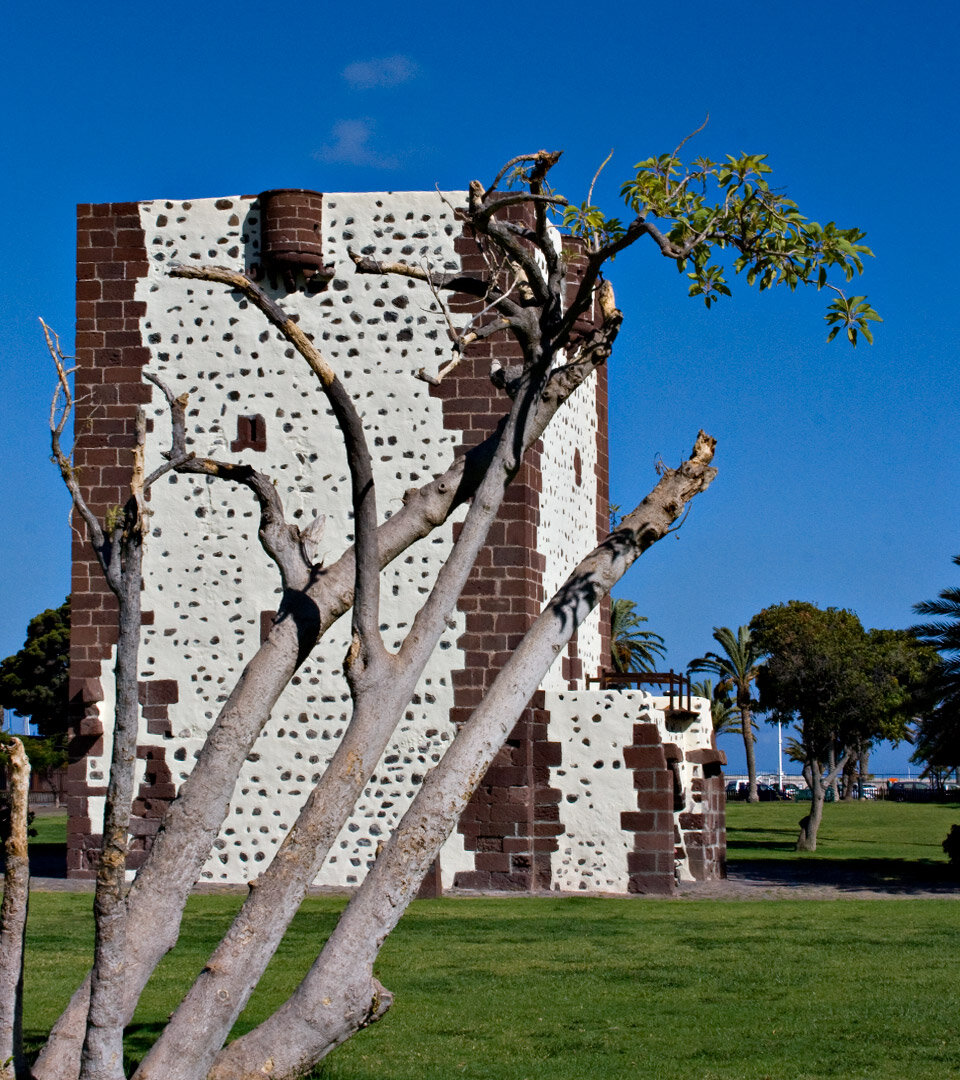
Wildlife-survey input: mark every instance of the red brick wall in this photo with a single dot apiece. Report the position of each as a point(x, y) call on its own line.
point(651, 863)
point(704, 831)
point(111, 258)
point(603, 501)
point(512, 821)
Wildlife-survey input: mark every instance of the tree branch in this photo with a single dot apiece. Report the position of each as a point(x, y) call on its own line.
point(323, 1011)
point(156, 898)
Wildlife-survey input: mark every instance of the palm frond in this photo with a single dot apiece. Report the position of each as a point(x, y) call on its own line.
point(632, 648)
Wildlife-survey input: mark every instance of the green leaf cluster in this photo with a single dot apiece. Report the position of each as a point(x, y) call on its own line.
point(711, 206)
point(938, 735)
point(632, 648)
point(590, 223)
point(852, 314)
point(723, 712)
point(702, 212)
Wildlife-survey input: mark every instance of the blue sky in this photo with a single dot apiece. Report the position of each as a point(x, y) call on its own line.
point(838, 479)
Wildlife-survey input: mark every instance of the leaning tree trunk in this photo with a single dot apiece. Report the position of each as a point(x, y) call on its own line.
point(849, 780)
point(13, 919)
point(832, 772)
point(818, 784)
point(158, 894)
point(810, 824)
point(339, 995)
point(863, 762)
point(380, 697)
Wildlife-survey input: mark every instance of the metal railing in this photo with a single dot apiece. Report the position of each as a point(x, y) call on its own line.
point(678, 685)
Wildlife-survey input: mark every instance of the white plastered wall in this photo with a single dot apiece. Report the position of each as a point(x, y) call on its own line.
point(594, 727)
point(568, 511)
point(206, 577)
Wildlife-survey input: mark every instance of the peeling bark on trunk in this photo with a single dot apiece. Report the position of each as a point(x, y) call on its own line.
point(13, 919)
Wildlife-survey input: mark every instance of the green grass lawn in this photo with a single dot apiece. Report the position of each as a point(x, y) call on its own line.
point(595, 989)
point(50, 827)
point(850, 831)
point(604, 989)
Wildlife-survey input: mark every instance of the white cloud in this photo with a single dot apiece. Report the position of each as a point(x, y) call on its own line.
point(350, 146)
point(387, 71)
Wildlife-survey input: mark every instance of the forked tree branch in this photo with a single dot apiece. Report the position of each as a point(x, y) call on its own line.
point(368, 644)
point(159, 892)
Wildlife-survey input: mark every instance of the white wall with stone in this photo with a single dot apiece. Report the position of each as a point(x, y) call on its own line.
point(594, 727)
point(206, 579)
point(568, 511)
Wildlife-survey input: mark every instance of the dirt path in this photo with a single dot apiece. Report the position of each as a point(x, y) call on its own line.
point(760, 880)
point(769, 880)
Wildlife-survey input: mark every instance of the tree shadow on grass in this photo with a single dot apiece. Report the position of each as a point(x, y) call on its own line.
point(137, 1040)
point(894, 876)
point(46, 860)
point(735, 847)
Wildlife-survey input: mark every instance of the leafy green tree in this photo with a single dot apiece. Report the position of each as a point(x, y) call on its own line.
point(847, 688)
point(737, 671)
point(697, 213)
point(33, 681)
point(632, 648)
point(938, 732)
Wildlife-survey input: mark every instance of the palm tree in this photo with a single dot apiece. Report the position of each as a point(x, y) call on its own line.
point(631, 647)
point(938, 737)
point(736, 671)
point(722, 712)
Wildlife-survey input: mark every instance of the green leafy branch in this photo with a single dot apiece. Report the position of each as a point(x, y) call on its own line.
point(695, 213)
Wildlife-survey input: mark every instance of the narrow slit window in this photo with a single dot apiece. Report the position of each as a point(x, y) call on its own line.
point(251, 434)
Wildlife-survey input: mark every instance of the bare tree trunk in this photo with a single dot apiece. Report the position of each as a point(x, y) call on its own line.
point(863, 763)
point(850, 779)
point(818, 784)
point(13, 919)
point(810, 823)
point(380, 693)
point(749, 746)
point(102, 1057)
point(339, 995)
point(832, 772)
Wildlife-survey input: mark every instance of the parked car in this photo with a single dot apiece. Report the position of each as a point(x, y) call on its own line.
point(768, 792)
point(910, 791)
